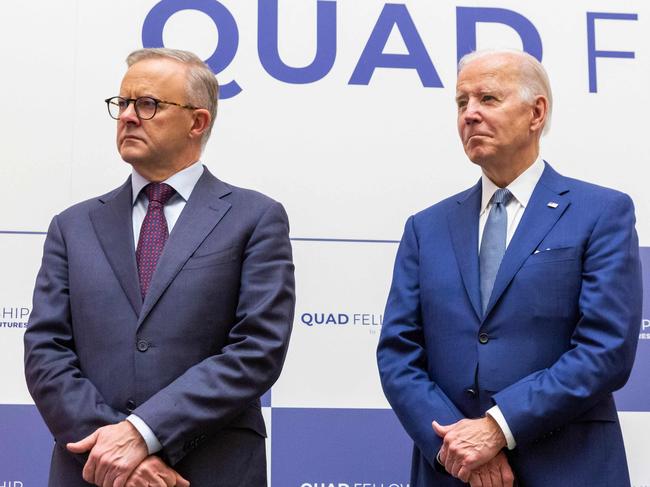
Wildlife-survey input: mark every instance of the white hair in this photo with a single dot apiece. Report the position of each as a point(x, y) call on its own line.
point(533, 77)
point(202, 87)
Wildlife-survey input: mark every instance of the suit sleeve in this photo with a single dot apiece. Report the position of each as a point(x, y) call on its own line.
point(401, 355)
point(211, 393)
point(603, 344)
point(70, 404)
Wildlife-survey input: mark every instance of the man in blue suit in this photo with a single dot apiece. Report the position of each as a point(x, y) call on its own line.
point(162, 309)
point(515, 305)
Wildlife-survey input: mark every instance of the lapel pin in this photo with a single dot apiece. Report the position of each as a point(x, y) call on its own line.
point(552, 204)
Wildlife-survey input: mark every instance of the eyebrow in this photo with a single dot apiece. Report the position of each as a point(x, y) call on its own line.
point(494, 91)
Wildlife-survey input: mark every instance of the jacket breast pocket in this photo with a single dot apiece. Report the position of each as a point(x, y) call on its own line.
point(552, 255)
point(223, 256)
point(549, 281)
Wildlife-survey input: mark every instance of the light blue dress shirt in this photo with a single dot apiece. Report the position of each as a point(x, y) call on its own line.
point(522, 189)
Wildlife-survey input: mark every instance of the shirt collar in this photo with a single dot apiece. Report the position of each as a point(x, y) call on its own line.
point(521, 188)
point(183, 181)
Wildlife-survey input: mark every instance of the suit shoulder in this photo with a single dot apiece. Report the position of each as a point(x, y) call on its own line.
point(255, 209)
point(441, 208)
point(86, 206)
point(249, 197)
point(594, 194)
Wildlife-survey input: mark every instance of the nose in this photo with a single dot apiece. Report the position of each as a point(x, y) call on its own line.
point(129, 115)
point(472, 112)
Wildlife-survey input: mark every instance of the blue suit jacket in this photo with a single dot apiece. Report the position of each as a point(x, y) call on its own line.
point(193, 359)
point(559, 334)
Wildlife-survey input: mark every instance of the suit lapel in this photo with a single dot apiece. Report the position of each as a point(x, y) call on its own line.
point(201, 214)
point(538, 219)
point(113, 225)
point(463, 227)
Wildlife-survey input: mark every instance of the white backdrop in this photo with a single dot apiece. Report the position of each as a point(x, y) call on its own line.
point(349, 162)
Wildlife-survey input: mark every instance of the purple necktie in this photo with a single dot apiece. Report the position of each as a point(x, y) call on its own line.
point(153, 233)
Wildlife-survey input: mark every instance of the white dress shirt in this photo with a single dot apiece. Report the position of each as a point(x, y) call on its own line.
point(521, 189)
point(183, 182)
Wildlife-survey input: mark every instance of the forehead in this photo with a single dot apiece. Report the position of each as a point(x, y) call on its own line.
point(157, 77)
point(498, 72)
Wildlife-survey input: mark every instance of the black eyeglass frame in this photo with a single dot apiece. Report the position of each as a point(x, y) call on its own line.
point(156, 101)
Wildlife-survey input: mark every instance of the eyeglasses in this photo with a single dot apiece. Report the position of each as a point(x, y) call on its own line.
point(145, 106)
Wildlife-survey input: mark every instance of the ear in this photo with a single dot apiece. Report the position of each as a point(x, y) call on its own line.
point(539, 113)
point(200, 122)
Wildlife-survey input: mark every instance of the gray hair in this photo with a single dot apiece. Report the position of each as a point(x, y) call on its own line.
point(202, 87)
point(534, 79)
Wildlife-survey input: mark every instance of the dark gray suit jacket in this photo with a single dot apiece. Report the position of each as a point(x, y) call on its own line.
point(193, 359)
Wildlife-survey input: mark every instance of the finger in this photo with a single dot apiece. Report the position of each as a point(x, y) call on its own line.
point(440, 430)
point(167, 477)
point(451, 464)
point(106, 480)
point(475, 480)
point(116, 475)
point(463, 474)
point(495, 477)
point(111, 474)
point(507, 476)
point(146, 480)
point(181, 482)
point(136, 482)
point(488, 480)
point(448, 463)
point(139, 478)
point(162, 482)
point(83, 445)
point(102, 472)
point(120, 480)
point(157, 473)
point(454, 466)
point(88, 473)
point(442, 455)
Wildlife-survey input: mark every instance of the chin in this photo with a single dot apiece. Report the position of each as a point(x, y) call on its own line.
point(475, 156)
point(129, 157)
point(478, 154)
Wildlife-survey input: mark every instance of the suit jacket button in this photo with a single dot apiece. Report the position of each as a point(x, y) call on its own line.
point(483, 338)
point(130, 405)
point(142, 345)
point(470, 392)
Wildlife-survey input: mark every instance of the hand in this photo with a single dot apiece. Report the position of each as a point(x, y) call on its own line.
point(153, 472)
point(468, 444)
point(115, 451)
point(495, 473)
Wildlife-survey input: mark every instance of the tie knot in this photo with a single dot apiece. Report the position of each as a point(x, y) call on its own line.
point(159, 192)
point(501, 196)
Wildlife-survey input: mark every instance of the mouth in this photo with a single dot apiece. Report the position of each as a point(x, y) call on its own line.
point(131, 138)
point(473, 137)
point(477, 135)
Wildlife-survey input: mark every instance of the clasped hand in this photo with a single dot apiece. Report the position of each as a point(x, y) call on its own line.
point(471, 452)
point(119, 458)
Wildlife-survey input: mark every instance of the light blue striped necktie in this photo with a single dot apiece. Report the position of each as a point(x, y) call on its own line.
point(493, 243)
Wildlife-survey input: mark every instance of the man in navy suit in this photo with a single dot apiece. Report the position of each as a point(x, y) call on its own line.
point(515, 305)
point(162, 309)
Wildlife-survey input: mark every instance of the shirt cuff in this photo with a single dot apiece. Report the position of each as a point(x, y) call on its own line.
point(496, 414)
point(153, 445)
